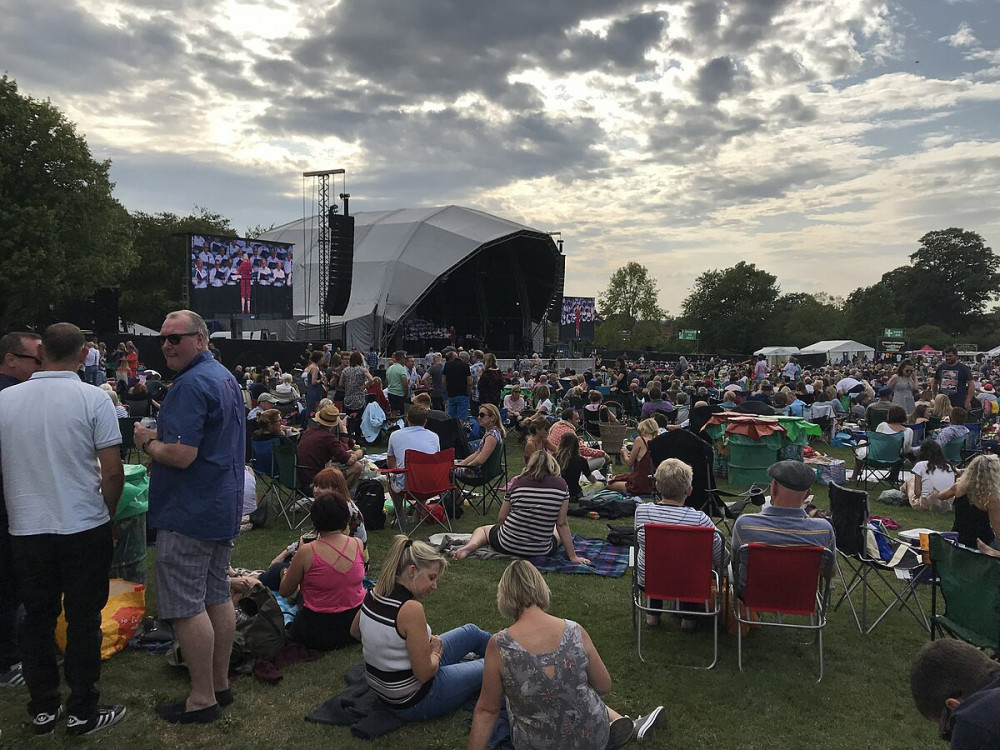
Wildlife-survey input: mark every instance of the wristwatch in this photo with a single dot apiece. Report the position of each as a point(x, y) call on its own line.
point(145, 445)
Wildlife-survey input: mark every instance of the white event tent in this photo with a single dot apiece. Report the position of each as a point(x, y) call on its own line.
point(835, 350)
point(775, 354)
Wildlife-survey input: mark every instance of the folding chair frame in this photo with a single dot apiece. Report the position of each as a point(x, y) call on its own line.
point(290, 498)
point(491, 485)
point(802, 562)
point(852, 551)
point(957, 568)
point(419, 501)
point(883, 470)
point(660, 535)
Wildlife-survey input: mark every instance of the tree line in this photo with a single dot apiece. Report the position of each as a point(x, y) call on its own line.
point(940, 297)
point(64, 235)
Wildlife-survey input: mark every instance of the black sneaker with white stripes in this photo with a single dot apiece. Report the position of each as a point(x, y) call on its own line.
point(13, 677)
point(44, 722)
point(105, 717)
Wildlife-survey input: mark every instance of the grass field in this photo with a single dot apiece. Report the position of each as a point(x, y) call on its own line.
point(862, 702)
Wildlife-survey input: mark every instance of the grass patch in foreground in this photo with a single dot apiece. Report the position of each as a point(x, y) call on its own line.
point(862, 702)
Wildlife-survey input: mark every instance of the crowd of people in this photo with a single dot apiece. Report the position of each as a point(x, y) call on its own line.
point(210, 419)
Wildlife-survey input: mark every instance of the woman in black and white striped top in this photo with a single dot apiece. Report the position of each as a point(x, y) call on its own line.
point(533, 518)
point(416, 674)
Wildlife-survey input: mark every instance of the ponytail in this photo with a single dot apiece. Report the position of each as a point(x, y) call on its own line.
point(402, 555)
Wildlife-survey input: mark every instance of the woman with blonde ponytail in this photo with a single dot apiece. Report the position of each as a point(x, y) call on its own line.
point(417, 675)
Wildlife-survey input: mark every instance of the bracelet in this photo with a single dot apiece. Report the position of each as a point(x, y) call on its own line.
point(146, 445)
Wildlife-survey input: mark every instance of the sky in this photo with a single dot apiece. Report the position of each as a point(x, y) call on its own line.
point(818, 139)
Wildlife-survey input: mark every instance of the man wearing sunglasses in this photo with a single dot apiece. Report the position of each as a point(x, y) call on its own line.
point(20, 358)
point(958, 685)
point(195, 502)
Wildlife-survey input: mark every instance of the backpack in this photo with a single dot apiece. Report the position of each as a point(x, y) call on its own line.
point(260, 626)
point(621, 536)
point(370, 499)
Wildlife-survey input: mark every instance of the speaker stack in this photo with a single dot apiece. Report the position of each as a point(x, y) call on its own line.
point(338, 291)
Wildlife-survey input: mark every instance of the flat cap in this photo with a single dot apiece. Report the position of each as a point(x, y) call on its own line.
point(794, 475)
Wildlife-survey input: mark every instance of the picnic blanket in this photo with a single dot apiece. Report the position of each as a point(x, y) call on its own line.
point(606, 559)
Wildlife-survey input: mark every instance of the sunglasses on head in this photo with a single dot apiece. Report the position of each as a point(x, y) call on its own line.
point(175, 338)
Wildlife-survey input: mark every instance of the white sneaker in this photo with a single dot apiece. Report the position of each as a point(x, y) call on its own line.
point(105, 717)
point(621, 732)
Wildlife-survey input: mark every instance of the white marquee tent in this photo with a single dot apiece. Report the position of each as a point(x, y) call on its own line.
point(835, 350)
point(402, 256)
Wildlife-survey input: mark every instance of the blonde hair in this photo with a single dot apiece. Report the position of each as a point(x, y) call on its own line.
point(673, 477)
point(521, 587)
point(942, 407)
point(402, 555)
point(980, 481)
point(649, 427)
point(540, 465)
point(495, 415)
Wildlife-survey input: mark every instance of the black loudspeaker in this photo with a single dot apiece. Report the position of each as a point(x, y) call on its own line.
point(555, 306)
point(106, 314)
point(338, 290)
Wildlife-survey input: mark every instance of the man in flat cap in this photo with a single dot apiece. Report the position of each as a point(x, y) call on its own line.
point(784, 521)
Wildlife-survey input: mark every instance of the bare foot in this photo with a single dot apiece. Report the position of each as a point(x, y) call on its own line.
point(987, 549)
point(461, 553)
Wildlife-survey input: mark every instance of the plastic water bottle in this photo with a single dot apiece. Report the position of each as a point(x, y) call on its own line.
point(148, 422)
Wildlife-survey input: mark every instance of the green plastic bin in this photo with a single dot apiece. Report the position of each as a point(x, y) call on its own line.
point(750, 459)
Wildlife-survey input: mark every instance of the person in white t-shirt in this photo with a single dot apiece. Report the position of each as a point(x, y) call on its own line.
point(932, 475)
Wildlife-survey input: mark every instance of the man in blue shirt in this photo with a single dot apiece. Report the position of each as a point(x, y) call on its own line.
point(195, 502)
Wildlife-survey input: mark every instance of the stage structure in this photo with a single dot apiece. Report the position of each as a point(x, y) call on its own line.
point(425, 277)
point(325, 225)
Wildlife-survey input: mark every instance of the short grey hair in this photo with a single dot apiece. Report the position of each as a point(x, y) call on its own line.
point(673, 478)
point(197, 322)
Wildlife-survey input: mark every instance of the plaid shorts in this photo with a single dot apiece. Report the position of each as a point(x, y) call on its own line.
point(191, 574)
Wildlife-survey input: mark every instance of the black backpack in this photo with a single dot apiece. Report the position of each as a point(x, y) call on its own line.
point(370, 499)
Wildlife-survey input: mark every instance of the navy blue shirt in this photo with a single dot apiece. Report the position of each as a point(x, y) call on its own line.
point(203, 409)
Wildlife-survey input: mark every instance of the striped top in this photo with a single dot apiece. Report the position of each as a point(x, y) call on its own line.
point(534, 508)
point(674, 515)
point(780, 526)
point(387, 663)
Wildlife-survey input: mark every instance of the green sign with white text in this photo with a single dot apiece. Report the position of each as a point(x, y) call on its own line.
point(688, 335)
point(892, 333)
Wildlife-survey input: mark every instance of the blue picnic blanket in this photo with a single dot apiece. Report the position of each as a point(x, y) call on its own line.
point(605, 559)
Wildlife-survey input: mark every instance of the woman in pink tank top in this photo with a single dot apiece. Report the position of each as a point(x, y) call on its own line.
point(328, 574)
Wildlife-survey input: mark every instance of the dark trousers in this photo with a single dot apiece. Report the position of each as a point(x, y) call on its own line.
point(10, 653)
point(70, 571)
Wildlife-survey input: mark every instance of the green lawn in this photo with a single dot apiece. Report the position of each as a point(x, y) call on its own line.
point(862, 702)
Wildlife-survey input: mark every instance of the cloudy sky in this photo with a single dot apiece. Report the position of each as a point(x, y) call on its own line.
point(818, 139)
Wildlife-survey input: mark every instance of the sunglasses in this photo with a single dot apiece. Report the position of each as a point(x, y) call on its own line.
point(175, 338)
point(483, 414)
point(34, 359)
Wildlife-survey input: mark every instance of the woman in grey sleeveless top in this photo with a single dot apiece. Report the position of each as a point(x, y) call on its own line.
point(904, 385)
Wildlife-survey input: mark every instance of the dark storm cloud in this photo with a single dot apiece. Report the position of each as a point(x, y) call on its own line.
point(59, 44)
point(791, 107)
point(444, 49)
point(716, 79)
point(750, 21)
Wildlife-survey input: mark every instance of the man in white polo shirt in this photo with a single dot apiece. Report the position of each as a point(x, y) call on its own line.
point(62, 477)
point(414, 437)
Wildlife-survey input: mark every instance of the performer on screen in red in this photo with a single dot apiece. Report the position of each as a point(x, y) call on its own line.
point(576, 316)
point(245, 270)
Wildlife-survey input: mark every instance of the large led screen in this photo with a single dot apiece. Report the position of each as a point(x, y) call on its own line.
point(231, 276)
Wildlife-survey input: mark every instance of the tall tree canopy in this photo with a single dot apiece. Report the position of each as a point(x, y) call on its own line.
point(731, 307)
point(631, 316)
point(62, 234)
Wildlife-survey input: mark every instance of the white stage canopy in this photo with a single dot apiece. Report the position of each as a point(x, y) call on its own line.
point(401, 255)
point(778, 351)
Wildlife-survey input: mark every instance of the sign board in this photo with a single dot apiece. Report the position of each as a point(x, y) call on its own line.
point(892, 333)
point(967, 347)
point(893, 347)
point(688, 335)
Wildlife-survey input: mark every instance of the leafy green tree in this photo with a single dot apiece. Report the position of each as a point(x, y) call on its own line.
point(800, 319)
point(156, 285)
point(732, 307)
point(631, 316)
point(954, 275)
point(62, 234)
point(870, 309)
point(928, 334)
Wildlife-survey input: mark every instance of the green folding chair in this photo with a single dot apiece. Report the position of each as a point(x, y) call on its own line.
point(292, 501)
point(883, 459)
point(953, 450)
point(970, 587)
point(492, 481)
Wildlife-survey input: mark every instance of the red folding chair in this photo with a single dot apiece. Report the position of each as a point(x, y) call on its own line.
point(784, 580)
point(678, 567)
point(428, 479)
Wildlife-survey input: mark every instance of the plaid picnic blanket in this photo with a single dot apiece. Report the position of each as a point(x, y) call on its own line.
point(605, 559)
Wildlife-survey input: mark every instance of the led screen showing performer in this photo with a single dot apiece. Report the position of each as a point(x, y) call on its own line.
point(577, 318)
point(232, 275)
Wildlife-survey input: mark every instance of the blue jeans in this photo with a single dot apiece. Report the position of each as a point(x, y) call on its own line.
point(458, 407)
point(456, 681)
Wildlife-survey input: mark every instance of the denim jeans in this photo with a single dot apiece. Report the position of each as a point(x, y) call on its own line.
point(68, 571)
point(456, 681)
point(458, 407)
